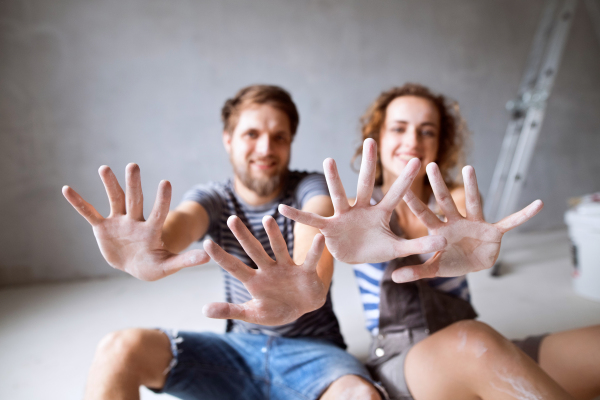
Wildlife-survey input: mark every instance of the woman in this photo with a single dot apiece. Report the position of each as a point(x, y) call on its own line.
point(426, 344)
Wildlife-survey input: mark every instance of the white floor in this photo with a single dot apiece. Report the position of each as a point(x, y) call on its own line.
point(48, 332)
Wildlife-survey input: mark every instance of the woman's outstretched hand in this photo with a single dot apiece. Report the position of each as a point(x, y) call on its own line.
point(127, 241)
point(361, 233)
point(281, 290)
point(473, 243)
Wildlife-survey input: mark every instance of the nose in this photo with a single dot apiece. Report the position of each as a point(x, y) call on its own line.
point(263, 145)
point(410, 138)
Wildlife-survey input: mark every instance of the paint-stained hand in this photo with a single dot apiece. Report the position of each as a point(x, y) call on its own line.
point(281, 290)
point(473, 243)
point(127, 241)
point(361, 233)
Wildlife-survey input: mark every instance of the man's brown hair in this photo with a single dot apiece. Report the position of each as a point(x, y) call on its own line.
point(259, 94)
point(453, 129)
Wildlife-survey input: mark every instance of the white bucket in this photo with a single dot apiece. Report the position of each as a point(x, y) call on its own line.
point(584, 230)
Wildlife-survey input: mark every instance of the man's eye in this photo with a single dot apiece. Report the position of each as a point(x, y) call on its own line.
point(252, 135)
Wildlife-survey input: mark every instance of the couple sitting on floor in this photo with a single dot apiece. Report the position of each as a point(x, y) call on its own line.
point(412, 234)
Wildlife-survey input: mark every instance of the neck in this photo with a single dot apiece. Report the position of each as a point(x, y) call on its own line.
point(251, 197)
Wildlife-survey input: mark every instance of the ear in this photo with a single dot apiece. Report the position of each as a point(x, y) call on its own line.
point(227, 141)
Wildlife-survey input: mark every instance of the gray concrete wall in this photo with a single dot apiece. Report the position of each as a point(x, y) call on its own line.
point(86, 83)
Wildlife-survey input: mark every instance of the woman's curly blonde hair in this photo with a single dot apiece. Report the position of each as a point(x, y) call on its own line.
point(453, 130)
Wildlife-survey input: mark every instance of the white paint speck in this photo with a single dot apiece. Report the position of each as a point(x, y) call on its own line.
point(480, 349)
point(463, 340)
point(518, 387)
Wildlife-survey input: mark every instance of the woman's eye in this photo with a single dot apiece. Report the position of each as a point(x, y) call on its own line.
point(428, 133)
point(252, 135)
point(398, 130)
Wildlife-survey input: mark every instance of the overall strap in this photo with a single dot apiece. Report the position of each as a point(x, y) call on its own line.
point(399, 305)
point(242, 216)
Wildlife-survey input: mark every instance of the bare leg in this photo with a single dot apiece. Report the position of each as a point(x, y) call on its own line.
point(572, 358)
point(351, 387)
point(470, 360)
point(125, 360)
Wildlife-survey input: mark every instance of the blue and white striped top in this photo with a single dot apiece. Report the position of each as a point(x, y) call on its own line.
point(220, 202)
point(369, 276)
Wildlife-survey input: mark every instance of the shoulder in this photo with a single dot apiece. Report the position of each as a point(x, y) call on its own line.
point(306, 185)
point(214, 190)
point(303, 182)
point(306, 178)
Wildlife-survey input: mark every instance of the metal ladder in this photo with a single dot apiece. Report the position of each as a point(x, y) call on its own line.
point(528, 109)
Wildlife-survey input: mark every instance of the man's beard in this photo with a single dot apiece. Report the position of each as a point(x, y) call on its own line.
point(263, 186)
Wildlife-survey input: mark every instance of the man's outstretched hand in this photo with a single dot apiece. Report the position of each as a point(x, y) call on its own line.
point(361, 233)
point(473, 243)
point(281, 290)
point(127, 241)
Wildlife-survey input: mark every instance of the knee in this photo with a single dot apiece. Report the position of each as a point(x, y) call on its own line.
point(351, 387)
point(120, 348)
point(477, 340)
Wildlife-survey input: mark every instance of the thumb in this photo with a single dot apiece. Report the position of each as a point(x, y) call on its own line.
point(177, 262)
point(224, 311)
point(415, 272)
point(316, 250)
point(422, 245)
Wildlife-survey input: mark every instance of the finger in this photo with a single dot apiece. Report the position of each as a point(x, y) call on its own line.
point(441, 192)
point(226, 311)
point(83, 207)
point(400, 185)
point(161, 204)
point(422, 245)
point(228, 262)
point(416, 272)
point(366, 176)
point(177, 262)
point(336, 188)
point(520, 217)
point(303, 217)
point(422, 212)
point(278, 244)
point(314, 253)
point(135, 198)
point(249, 243)
point(116, 196)
point(473, 198)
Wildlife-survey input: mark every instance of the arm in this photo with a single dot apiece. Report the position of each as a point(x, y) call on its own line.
point(127, 241)
point(184, 225)
point(473, 243)
point(281, 290)
point(361, 232)
point(305, 234)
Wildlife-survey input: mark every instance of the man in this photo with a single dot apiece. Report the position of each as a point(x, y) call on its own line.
point(301, 356)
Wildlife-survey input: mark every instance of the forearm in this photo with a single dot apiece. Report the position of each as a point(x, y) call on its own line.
point(304, 235)
point(183, 226)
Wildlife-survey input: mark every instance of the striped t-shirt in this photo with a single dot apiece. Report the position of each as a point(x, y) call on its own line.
point(220, 202)
point(369, 276)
